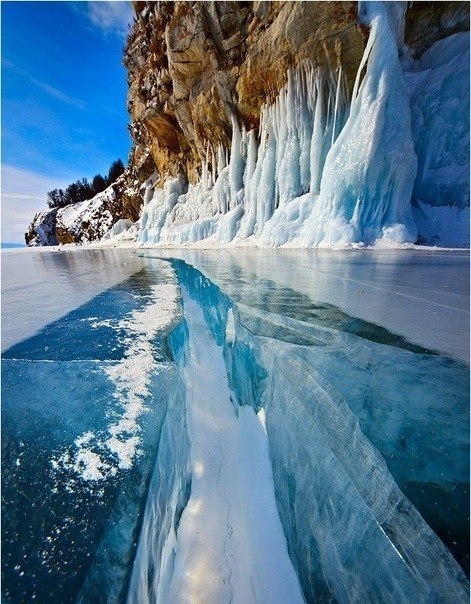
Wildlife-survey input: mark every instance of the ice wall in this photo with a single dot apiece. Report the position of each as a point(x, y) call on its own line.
point(439, 88)
point(323, 170)
point(168, 494)
point(439, 99)
point(367, 181)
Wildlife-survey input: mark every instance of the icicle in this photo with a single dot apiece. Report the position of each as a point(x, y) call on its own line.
point(317, 135)
point(336, 108)
point(221, 160)
point(237, 161)
point(304, 127)
point(214, 173)
point(204, 175)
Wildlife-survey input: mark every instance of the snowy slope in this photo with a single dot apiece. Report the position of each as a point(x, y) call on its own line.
point(42, 230)
point(87, 220)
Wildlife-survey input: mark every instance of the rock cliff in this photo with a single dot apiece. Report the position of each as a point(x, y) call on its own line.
point(195, 66)
point(192, 65)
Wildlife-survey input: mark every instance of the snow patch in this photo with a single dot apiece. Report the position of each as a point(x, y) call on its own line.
point(90, 458)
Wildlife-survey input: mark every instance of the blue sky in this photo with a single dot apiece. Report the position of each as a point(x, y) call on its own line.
point(63, 100)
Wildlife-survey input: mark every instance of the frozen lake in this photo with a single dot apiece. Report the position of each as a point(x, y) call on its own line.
point(170, 415)
point(423, 296)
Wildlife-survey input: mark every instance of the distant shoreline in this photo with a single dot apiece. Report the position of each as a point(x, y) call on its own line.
point(10, 246)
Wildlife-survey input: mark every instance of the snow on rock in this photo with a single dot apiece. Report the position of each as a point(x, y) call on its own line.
point(42, 231)
point(120, 230)
point(109, 215)
point(87, 220)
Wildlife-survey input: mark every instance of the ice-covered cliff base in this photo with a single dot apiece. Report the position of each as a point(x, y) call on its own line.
point(328, 171)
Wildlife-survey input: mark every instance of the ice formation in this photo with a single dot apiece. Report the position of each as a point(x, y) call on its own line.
point(327, 171)
point(439, 87)
point(439, 92)
point(229, 546)
point(283, 443)
point(338, 508)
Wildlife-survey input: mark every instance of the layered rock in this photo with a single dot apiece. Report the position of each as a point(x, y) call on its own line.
point(192, 66)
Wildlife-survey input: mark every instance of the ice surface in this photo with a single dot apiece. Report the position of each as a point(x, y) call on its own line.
point(422, 296)
point(223, 542)
point(388, 389)
point(46, 283)
point(347, 507)
point(326, 403)
point(168, 495)
point(82, 408)
point(338, 503)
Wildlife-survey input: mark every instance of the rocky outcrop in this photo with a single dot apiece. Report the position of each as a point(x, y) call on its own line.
point(42, 231)
point(428, 22)
point(90, 220)
point(87, 220)
point(194, 65)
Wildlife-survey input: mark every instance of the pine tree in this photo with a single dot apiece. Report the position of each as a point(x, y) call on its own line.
point(98, 183)
point(116, 169)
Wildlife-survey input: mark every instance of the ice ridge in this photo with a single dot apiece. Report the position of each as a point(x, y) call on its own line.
point(336, 499)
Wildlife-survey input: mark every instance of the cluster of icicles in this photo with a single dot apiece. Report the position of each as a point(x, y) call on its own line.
point(320, 170)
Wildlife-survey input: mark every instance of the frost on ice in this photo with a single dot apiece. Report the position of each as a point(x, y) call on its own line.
point(130, 377)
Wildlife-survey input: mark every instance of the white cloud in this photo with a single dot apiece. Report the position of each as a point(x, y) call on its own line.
point(110, 16)
point(24, 193)
point(54, 92)
point(58, 94)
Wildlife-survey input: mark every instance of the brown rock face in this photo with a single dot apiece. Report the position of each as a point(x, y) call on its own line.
point(192, 65)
